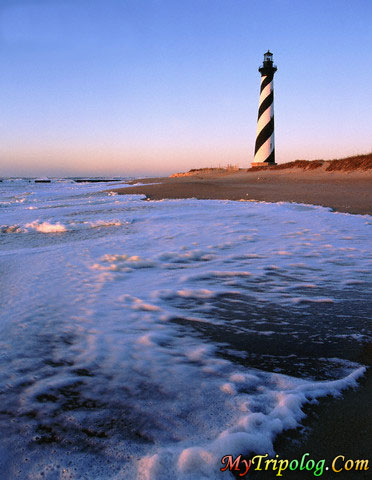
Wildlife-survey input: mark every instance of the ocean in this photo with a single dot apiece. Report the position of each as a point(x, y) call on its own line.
point(147, 339)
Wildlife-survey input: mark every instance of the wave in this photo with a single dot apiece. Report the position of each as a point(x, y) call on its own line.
point(46, 227)
point(252, 431)
point(57, 227)
point(110, 372)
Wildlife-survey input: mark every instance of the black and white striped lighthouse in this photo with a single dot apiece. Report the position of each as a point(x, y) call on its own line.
point(264, 152)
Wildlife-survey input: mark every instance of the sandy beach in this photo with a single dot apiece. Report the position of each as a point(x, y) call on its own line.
point(348, 192)
point(184, 327)
point(334, 426)
point(186, 240)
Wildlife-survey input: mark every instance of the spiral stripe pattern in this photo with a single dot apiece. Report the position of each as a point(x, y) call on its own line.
point(264, 149)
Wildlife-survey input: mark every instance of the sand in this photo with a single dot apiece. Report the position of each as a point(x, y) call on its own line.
point(335, 426)
point(343, 192)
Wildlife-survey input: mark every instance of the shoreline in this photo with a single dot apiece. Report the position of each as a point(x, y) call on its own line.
point(341, 191)
point(335, 425)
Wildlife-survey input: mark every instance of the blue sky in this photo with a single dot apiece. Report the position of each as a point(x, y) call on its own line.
point(157, 86)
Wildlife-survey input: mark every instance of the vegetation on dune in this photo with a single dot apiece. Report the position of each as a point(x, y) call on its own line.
point(304, 164)
point(348, 164)
point(207, 170)
point(358, 162)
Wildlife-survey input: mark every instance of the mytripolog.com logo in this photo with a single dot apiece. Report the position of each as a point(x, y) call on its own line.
point(242, 466)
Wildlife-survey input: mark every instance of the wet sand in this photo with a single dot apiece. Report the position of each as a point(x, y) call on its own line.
point(334, 427)
point(341, 191)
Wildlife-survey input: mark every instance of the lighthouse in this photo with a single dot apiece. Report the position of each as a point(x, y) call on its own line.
point(264, 152)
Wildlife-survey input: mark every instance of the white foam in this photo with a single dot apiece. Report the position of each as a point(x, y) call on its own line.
point(104, 223)
point(201, 293)
point(109, 321)
point(10, 229)
point(46, 227)
point(312, 300)
point(252, 431)
point(123, 262)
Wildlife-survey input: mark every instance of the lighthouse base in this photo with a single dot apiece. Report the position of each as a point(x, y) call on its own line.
point(262, 164)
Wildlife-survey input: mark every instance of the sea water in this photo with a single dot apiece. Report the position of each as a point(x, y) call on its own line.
point(148, 339)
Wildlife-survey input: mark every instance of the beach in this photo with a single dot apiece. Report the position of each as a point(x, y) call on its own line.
point(148, 339)
point(185, 240)
point(348, 192)
point(334, 426)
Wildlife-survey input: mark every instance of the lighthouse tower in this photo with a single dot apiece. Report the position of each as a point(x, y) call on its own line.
point(264, 152)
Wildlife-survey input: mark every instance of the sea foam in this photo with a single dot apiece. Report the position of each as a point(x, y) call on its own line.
point(150, 349)
point(46, 227)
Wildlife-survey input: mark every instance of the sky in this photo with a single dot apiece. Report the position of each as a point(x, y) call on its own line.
point(129, 87)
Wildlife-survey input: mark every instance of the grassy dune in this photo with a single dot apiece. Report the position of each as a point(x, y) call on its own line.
point(347, 164)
